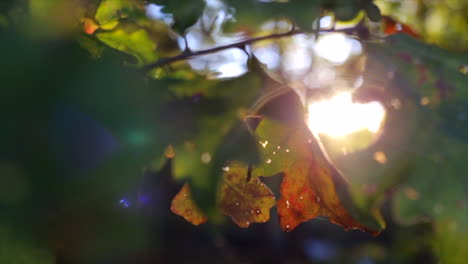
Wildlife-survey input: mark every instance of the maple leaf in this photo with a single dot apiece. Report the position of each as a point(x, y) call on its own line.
point(311, 185)
point(244, 198)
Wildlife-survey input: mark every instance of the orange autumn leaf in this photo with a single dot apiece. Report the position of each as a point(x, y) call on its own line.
point(391, 26)
point(308, 190)
point(89, 26)
point(245, 199)
point(311, 184)
point(183, 205)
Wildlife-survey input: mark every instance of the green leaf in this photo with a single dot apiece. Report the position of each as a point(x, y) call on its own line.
point(346, 10)
point(94, 47)
point(110, 12)
point(136, 43)
point(373, 12)
point(186, 12)
point(253, 13)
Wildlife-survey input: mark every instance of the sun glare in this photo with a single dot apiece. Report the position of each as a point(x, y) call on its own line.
point(340, 116)
point(337, 47)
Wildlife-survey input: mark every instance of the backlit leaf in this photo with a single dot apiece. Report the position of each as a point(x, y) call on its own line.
point(136, 43)
point(183, 205)
point(110, 12)
point(311, 186)
point(245, 199)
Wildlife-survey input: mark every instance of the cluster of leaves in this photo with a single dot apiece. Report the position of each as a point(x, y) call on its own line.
point(124, 26)
point(310, 187)
point(223, 151)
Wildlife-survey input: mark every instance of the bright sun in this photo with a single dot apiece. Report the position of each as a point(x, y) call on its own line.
point(340, 116)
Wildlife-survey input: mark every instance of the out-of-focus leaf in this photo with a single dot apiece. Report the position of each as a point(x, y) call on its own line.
point(185, 12)
point(423, 143)
point(441, 148)
point(436, 22)
point(4, 22)
point(349, 10)
point(79, 132)
point(244, 198)
point(183, 205)
point(136, 43)
point(133, 32)
point(110, 12)
point(253, 13)
point(93, 46)
point(89, 26)
point(373, 12)
point(94, 121)
point(442, 161)
point(433, 76)
point(17, 247)
point(53, 17)
point(6, 5)
point(346, 10)
point(391, 26)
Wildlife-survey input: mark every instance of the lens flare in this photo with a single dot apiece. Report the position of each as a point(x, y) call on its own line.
point(340, 116)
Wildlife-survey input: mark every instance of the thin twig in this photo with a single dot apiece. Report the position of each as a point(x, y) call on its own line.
point(187, 54)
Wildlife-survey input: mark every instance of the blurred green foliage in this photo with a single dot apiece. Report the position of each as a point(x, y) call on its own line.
point(84, 129)
point(444, 23)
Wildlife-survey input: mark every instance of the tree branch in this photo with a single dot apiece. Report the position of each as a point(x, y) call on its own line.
point(188, 54)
